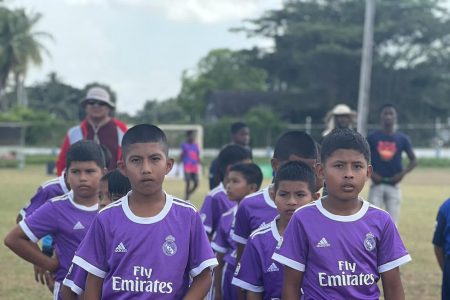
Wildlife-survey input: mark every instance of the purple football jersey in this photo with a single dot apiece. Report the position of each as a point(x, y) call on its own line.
point(215, 204)
point(222, 241)
point(255, 210)
point(257, 271)
point(341, 256)
point(49, 189)
point(146, 258)
point(68, 223)
point(76, 279)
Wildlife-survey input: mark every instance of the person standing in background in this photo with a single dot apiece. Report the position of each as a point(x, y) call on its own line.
point(98, 126)
point(190, 157)
point(386, 147)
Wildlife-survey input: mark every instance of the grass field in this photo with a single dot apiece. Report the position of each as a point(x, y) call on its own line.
point(423, 192)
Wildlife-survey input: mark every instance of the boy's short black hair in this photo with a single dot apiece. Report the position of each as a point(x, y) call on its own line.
point(297, 143)
point(388, 105)
point(296, 171)
point(108, 156)
point(251, 172)
point(144, 133)
point(344, 139)
point(230, 155)
point(236, 126)
point(85, 150)
point(118, 184)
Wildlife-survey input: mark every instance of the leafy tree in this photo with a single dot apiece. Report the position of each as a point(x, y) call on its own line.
point(221, 69)
point(20, 44)
point(160, 112)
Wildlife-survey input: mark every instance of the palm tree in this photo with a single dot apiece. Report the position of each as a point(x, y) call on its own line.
point(20, 45)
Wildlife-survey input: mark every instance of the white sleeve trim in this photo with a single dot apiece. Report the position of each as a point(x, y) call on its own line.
point(209, 263)
point(288, 262)
point(23, 213)
point(88, 267)
point(75, 288)
point(28, 231)
point(394, 264)
point(247, 286)
point(208, 229)
point(238, 239)
point(218, 248)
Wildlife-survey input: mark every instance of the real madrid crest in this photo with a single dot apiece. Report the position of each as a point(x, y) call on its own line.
point(169, 247)
point(369, 242)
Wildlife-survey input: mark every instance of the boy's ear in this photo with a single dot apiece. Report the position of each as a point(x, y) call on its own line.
point(169, 165)
point(320, 171)
point(316, 196)
point(272, 192)
point(275, 163)
point(253, 187)
point(104, 171)
point(121, 166)
point(369, 171)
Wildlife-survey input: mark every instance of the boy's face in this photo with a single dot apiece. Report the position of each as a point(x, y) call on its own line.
point(146, 165)
point(311, 162)
point(237, 187)
point(242, 137)
point(103, 194)
point(388, 116)
point(291, 195)
point(84, 178)
point(345, 172)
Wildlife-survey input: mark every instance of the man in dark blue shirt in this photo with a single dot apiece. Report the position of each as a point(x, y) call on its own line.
point(387, 146)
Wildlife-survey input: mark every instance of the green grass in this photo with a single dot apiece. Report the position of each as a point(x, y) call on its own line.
point(423, 192)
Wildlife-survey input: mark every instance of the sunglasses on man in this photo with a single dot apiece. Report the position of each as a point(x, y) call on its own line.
point(95, 102)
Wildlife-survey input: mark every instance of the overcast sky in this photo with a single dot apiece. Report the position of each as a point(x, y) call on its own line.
point(138, 47)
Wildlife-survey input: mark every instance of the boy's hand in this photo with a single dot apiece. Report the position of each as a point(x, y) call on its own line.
point(39, 274)
point(50, 281)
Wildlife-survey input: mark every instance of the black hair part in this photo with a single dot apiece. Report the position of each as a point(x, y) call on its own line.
point(85, 150)
point(296, 171)
point(388, 105)
point(118, 184)
point(251, 172)
point(230, 155)
point(144, 133)
point(344, 139)
point(236, 126)
point(297, 143)
point(108, 156)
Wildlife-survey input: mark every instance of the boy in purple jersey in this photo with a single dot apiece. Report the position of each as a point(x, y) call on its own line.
point(71, 214)
point(242, 179)
point(190, 157)
point(216, 201)
point(113, 186)
point(441, 242)
point(259, 209)
point(148, 244)
point(338, 247)
point(257, 273)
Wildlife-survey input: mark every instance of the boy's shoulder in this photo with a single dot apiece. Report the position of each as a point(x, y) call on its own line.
point(256, 197)
point(182, 204)
point(264, 229)
point(445, 207)
point(215, 191)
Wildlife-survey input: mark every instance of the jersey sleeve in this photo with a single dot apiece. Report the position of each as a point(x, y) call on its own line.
point(76, 279)
point(249, 273)
point(391, 251)
point(206, 214)
point(91, 254)
point(201, 255)
point(294, 247)
point(441, 224)
point(219, 241)
point(242, 229)
point(42, 222)
point(38, 199)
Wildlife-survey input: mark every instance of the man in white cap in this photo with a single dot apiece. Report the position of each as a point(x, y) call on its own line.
point(340, 117)
point(98, 126)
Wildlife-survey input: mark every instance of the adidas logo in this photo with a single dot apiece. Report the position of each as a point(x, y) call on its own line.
point(78, 226)
point(323, 243)
point(273, 268)
point(120, 248)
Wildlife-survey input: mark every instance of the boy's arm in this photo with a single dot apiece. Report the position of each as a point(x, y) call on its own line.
point(20, 244)
point(439, 252)
point(392, 285)
point(94, 286)
point(254, 296)
point(218, 276)
point(292, 282)
point(199, 287)
point(67, 294)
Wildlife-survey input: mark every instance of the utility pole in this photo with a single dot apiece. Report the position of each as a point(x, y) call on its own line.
point(366, 68)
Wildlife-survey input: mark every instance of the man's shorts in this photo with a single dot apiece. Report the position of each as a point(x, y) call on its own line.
point(191, 176)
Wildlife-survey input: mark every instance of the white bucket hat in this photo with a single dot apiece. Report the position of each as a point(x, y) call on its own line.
point(99, 94)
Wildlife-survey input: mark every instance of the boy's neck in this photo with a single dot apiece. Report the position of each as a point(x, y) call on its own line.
point(146, 206)
point(88, 202)
point(341, 207)
point(281, 225)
